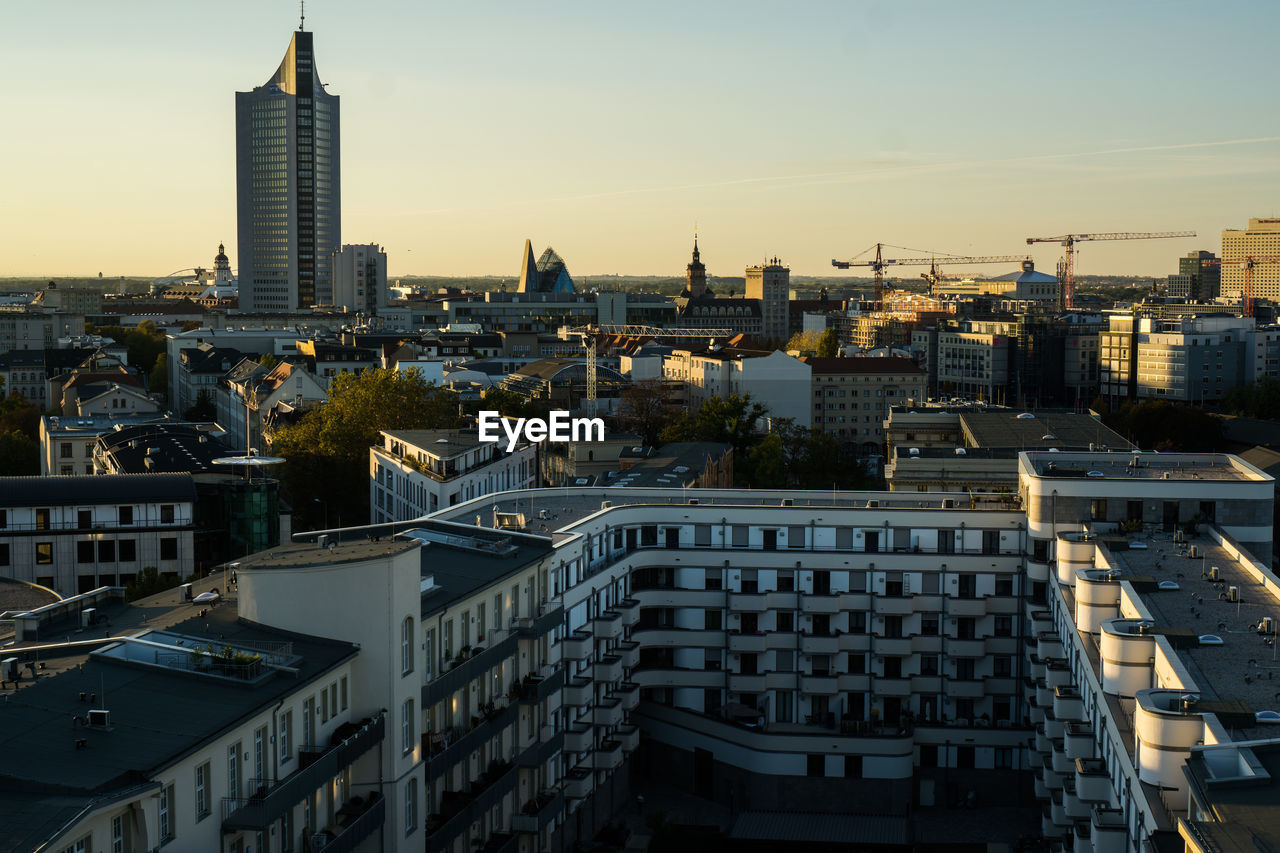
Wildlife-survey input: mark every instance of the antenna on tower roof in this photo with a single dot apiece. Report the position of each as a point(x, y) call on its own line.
point(302, 15)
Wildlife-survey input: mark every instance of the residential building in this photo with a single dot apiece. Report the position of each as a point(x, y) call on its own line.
point(852, 396)
point(975, 365)
point(585, 463)
point(416, 472)
point(74, 534)
point(250, 390)
point(69, 300)
point(66, 443)
point(1260, 241)
point(27, 372)
point(360, 278)
point(288, 186)
point(772, 378)
point(770, 283)
point(35, 328)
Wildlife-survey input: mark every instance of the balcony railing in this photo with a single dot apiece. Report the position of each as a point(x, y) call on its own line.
point(536, 688)
point(357, 820)
point(459, 809)
point(315, 768)
point(466, 669)
point(536, 626)
point(447, 748)
point(538, 812)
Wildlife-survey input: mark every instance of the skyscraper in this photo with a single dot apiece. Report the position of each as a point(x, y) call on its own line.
point(288, 186)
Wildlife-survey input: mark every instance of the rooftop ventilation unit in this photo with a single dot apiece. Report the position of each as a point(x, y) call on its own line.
point(1194, 552)
point(1266, 625)
point(99, 718)
point(1187, 702)
point(1233, 593)
point(1215, 574)
point(1210, 640)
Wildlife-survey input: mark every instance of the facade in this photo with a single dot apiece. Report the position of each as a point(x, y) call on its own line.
point(774, 379)
point(74, 534)
point(770, 283)
point(66, 444)
point(360, 278)
point(27, 328)
point(1261, 241)
point(288, 186)
point(852, 396)
point(975, 365)
point(1195, 280)
point(417, 472)
point(251, 390)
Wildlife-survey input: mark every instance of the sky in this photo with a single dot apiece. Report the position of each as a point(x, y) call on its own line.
point(806, 131)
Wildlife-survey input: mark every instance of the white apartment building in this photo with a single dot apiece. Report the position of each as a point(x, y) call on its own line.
point(774, 379)
point(74, 534)
point(1260, 241)
point(416, 472)
point(360, 278)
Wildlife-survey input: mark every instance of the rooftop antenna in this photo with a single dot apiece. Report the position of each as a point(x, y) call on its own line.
point(302, 15)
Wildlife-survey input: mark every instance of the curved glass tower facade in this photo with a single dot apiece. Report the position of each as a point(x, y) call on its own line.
point(288, 186)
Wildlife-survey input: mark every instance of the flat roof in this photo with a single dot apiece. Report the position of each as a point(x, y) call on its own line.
point(1011, 428)
point(1233, 671)
point(445, 443)
point(461, 560)
point(1150, 466)
point(157, 716)
point(71, 490)
point(302, 555)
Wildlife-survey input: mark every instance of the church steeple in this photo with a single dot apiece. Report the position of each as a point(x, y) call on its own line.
point(695, 276)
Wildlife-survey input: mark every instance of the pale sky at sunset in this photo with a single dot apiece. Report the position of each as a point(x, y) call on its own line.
point(805, 130)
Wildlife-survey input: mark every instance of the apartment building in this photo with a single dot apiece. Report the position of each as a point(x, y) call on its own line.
point(773, 378)
point(66, 444)
point(852, 396)
point(35, 328)
point(416, 472)
point(77, 533)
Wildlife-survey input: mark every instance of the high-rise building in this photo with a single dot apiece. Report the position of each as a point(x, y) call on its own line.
point(771, 284)
point(360, 278)
point(1260, 241)
point(288, 186)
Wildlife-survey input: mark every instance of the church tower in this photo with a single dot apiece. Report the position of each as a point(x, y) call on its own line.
point(695, 275)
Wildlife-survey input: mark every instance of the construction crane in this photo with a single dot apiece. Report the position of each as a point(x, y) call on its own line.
point(878, 264)
point(1067, 273)
point(590, 333)
point(1246, 292)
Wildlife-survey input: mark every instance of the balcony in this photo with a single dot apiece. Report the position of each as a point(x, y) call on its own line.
point(781, 600)
point(966, 648)
point(820, 644)
point(753, 642)
point(926, 644)
point(578, 645)
point(444, 749)
point(535, 689)
point(548, 745)
point(1001, 645)
point(748, 602)
point(466, 669)
point(608, 755)
point(1004, 605)
point(1001, 686)
point(537, 626)
point(629, 651)
point(629, 735)
point(630, 610)
point(608, 713)
point(315, 769)
point(744, 683)
point(895, 646)
point(893, 605)
point(926, 684)
point(458, 809)
point(787, 640)
point(354, 822)
point(608, 625)
point(538, 812)
point(629, 693)
point(819, 685)
point(855, 642)
point(963, 689)
point(892, 686)
point(814, 603)
point(926, 603)
point(666, 636)
point(578, 783)
point(966, 607)
point(578, 691)
point(859, 682)
point(855, 601)
point(578, 737)
point(608, 668)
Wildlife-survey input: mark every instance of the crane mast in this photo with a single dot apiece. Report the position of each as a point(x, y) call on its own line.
point(1067, 276)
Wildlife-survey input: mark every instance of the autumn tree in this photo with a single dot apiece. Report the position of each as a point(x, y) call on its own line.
point(645, 410)
point(732, 420)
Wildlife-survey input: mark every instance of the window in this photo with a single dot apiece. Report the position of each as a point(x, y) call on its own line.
point(169, 549)
point(166, 814)
point(117, 834)
point(84, 519)
point(202, 792)
point(128, 551)
point(260, 754)
point(342, 692)
point(81, 846)
point(286, 735)
point(233, 770)
point(44, 553)
point(1004, 626)
point(853, 766)
point(324, 706)
point(106, 551)
point(286, 831)
point(406, 726)
point(1098, 510)
point(125, 515)
point(816, 765)
point(166, 514)
point(84, 552)
point(406, 646)
point(410, 806)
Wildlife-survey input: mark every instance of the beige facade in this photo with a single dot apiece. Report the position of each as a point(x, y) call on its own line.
point(771, 284)
point(1261, 240)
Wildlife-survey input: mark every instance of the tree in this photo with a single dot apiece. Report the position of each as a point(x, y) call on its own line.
point(1257, 399)
point(327, 451)
point(806, 342)
point(18, 415)
point(160, 375)
point(1161, 425)
point(509, 404)
point(268, 361)
point(19, 454)
point(644, 410)
point(829, 344)
point(204, 408)
point(149, 581)
point(732, 420)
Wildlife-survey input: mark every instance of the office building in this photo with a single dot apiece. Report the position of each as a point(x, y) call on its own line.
point(416, 472)
point(36, 328)
point(1195, 280)
point(360, 278)
point(288, 186)
point(770, 283)
point(1260, 241)
point(772, 378)
point(852, 396)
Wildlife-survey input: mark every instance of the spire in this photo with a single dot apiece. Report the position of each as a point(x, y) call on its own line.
point(302, 15)
point(528, 271)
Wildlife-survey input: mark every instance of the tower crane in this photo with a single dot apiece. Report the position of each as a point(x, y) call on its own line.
point(1068, 275)
point(591, 332)
point(1246, 292)
point(878, 264)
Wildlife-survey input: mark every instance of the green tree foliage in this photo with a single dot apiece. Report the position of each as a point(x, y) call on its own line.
point(204, 408)
point(645, 410)
point(149, 581)
point(159, 379)
point(509, 404)
point(829, 344)
point(1257, 399)
point(19, 454)
point(327, 452)
point(16, 414)
point(268, 361)
point(145, 343)
point(1161, 425)
point(733, 420)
